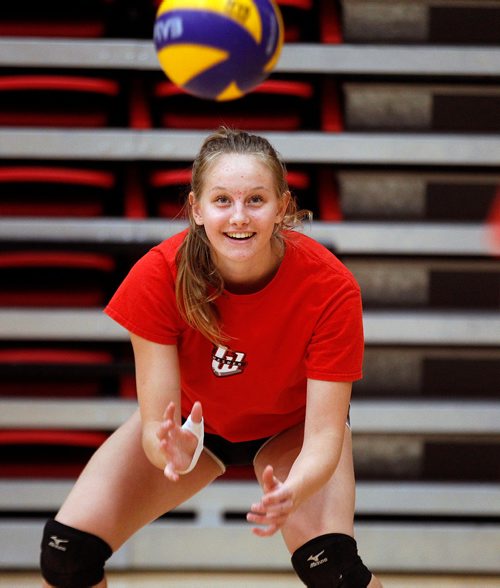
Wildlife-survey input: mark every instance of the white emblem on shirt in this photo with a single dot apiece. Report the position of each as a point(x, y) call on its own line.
point(226, 362)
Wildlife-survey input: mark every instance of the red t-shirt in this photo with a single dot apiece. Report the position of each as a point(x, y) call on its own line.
point(306, 323)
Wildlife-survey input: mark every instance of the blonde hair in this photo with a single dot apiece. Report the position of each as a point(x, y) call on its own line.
point(199, 282)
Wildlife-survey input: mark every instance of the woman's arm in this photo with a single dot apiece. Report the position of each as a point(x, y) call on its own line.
point(326, 415)
point(324, 428)
point(158, 392)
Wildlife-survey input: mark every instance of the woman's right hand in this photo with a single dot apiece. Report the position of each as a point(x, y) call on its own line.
point(177, 445)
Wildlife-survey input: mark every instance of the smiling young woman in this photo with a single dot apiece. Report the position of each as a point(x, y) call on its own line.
point(247, 337)
point(239, 209)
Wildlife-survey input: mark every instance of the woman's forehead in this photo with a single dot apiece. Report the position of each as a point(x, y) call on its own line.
point(238, 167)
point(243, 160)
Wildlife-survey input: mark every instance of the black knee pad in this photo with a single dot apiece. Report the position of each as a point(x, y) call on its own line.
point(331, 561)
point(71, 558)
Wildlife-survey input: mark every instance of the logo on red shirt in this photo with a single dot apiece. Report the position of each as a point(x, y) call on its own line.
point(226, 362)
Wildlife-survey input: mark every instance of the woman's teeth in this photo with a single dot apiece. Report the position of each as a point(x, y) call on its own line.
point(239, 235)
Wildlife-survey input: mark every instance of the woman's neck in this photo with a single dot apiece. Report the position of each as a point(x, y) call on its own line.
point(241, 279)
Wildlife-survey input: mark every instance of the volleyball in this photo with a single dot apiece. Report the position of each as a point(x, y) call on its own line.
point(218, 49)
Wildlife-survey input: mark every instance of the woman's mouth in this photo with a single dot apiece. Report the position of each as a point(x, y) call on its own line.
point(243, 236)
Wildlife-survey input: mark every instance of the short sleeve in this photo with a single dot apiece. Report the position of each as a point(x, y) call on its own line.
point(145, 301)
point(335, 350)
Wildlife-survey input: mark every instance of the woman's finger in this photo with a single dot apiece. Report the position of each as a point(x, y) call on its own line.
point(269, 481)
point(196, 412)
point(169, 411)
point(170, 473)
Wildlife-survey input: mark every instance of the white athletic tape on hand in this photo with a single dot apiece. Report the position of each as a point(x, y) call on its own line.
point(198, 431)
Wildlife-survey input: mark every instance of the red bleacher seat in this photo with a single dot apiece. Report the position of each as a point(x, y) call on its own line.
point(332, 119)
point(54, 278)
point(55, 372)
point(58, 100)
point(298, 20)
point(330, 25)
point(329, 205)
point(38, 190)
point(493, 224)
point(48, 454)
point(274, 105)
point(167, 191)
point(56, 18)
point(302, 185)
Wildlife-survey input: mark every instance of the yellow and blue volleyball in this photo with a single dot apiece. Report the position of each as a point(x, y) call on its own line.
point(218, 49)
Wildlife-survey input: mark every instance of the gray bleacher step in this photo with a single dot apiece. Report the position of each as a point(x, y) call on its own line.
point(467, 328)
point(469, 546)
point(295, 57)
point(383, 498)
point(385, 417)
point(390, 547)
point(381, 327)
point(381, 238)
point(74, 414)
point(296, 147)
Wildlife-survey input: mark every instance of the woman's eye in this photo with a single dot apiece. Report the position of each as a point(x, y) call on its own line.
point(256, 199)
point(222, 200)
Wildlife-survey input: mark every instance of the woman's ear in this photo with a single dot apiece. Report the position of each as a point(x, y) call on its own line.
point(195, 209)
point(282, 206)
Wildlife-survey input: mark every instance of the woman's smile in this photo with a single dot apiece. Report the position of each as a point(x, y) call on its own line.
point(240, 236)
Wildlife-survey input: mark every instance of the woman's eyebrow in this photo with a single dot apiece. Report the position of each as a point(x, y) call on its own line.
point(224, 189)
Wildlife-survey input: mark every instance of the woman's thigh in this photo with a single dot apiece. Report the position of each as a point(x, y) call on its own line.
point(331, 509)
point(120, 491)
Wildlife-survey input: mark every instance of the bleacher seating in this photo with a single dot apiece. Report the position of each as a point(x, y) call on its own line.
point(276, 104)
point(386, 112)
point(42, 190)
point(56, 18)
point(54, 278)
point(51, 370)
point(55, 100)
point(300, 21)
point(46, 454)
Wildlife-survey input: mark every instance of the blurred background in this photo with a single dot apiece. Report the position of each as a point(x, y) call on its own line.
point(387, 113)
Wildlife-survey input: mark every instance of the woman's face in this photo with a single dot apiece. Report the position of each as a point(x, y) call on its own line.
point(239, 208)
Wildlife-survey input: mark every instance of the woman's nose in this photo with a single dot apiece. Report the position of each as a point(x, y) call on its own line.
point(239, 215)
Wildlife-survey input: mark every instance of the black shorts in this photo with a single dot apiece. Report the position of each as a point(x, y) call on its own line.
point(227, 453)
point(242, 453)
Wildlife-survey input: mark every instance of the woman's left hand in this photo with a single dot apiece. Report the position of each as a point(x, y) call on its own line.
point(274, 507)
point(177, 444)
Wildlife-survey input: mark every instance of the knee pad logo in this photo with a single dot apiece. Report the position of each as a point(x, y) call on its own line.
point(57, 543)
point(316, 560)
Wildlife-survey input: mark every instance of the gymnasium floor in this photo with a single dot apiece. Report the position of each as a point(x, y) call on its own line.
point(249, 580)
